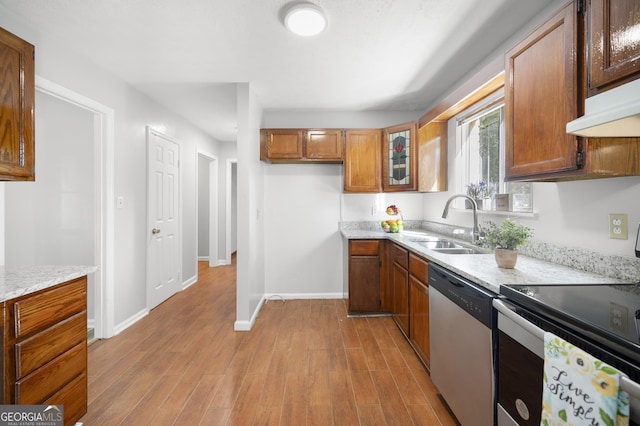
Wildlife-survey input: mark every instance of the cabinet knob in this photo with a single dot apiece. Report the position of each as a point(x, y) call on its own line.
point(155, 231)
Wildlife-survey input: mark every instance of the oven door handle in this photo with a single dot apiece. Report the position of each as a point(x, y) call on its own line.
point(505, 310)
point(627, 385)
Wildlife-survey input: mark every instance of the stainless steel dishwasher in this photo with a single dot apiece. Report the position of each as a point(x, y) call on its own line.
point(461, 328)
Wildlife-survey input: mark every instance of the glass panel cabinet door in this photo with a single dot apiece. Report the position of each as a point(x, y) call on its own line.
point(399, 152)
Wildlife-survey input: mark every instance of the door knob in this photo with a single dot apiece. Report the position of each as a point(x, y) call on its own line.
point(155, 231)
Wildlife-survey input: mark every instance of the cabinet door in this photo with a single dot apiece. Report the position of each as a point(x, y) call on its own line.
point(401, 297)
point(17, 98)
point(613, 44)
point(364, 276)
point(324, 145)
point(362, 161)
point(541, 96)
point(432, 157)
point(419, 324)
point(399, 153)
point(284, 144)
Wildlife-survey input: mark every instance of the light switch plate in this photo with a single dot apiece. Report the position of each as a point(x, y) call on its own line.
point(618, 226)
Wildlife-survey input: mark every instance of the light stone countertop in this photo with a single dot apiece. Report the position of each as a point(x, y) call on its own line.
point(20, 281)
point(482, 268)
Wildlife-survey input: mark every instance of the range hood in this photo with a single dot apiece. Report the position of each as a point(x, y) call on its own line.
point(614, 113)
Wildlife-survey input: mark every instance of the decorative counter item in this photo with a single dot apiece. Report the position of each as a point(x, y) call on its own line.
point(392, 225)
point(478, 191)
point(504, 240)
point(503, 202)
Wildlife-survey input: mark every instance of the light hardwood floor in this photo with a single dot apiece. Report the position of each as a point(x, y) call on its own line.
point(304, 362)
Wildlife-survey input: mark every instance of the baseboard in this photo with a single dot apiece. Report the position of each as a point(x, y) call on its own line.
point(189, 282)
point(293, 296)
point(203, 258)
point(248, 325)
point(130, 321)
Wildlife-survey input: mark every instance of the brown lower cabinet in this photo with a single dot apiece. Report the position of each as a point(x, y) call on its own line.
point(400, 285)
point(364, 276)
point(419, 307)
point(45, 348)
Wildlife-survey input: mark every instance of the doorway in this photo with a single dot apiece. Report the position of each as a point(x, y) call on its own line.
point(231, 211)
point(207, 195)
point(66, 215)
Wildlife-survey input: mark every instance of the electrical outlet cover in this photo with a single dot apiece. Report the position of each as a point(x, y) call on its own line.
point(618, 226)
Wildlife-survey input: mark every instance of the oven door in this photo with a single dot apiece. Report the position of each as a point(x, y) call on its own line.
point(520, 363)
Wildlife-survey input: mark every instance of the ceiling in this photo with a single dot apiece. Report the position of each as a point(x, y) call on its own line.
point(189, 54)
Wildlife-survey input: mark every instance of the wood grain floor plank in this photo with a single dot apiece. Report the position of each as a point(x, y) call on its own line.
point(393, 407)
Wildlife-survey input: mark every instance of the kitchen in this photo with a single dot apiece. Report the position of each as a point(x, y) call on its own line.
point(313, 202)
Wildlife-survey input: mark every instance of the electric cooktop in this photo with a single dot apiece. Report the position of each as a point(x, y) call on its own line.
point(607, 314)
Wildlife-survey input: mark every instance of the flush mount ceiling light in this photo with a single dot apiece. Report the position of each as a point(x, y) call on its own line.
point(305, 19)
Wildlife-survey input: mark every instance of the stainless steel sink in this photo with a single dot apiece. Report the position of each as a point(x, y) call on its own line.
point(442, 245)
point(458, 250)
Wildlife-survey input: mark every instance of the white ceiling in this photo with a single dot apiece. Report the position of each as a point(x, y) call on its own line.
point(189, 54)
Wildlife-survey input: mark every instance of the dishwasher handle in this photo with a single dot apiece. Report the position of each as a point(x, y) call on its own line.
point(626, 384)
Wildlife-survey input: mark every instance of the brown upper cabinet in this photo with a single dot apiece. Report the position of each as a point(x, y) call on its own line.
point(544, 90)
point(541, 96)
point(399, 158)
point(17, 92)
point(301, 145)
point(613, 47)
point(362, 160)
point(432, 154)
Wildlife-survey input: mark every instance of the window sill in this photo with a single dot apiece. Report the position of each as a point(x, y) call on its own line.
point(528, 215)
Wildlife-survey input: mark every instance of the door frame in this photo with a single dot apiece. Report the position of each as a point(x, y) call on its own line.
point(104, 152)
point(228, 230)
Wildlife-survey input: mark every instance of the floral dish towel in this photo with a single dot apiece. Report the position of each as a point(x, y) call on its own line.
point(579, 389)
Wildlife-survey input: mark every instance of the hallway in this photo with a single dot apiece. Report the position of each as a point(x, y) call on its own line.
point(304, 362)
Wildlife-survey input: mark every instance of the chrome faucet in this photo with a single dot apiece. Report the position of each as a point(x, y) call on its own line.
point(474, 206)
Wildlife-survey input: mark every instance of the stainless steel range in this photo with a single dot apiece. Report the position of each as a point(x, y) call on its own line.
point(602, 320)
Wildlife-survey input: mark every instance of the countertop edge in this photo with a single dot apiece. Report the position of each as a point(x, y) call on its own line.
point(24, 280)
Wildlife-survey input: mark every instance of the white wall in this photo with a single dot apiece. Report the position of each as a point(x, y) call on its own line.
point(302, 211)
point(56, 61)
point(52, 219)
point(251, 240)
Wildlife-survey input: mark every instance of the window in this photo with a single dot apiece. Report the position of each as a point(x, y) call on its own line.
point(480, 143)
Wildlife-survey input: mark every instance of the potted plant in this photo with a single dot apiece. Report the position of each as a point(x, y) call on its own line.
point(478, 191)
point(504, 240)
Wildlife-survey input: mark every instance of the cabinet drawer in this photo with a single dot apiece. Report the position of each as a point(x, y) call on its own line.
point(419, 268)
point(36, 387)
point(41, 348)
point(399, 255)
point(364, 247)
point(74, 399)
point(42, 310)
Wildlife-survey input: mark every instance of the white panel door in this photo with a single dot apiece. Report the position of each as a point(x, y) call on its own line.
point(163, 233)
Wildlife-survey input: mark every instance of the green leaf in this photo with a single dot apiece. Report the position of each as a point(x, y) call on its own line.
point(563, 415)
point(608, 370)
point(606, 418)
